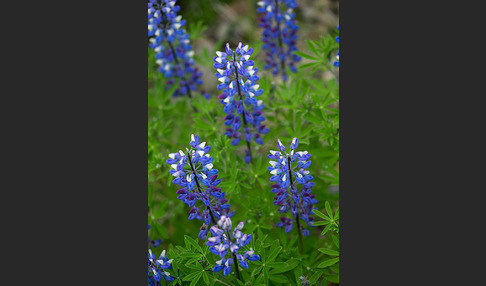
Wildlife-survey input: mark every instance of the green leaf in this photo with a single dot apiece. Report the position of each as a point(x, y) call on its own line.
point(336, 240)
point(315, 277)
point(278, 278)
point(313, 48)
point(326, 229)
point(305, 56)
point(196, 279)
point(193, 243)
point(259, 279)
point(265, 275)
point(291, 265)
point(329, 251)
point(328, 262)
point(319, 223)
point(328, 209)
point(321, 215)
point(334, 278)
point(191, 276)
point(308, 65)
point(335, 268)
point(194, 266)
point(277, 264)
point(273, 254)
point(205, 277)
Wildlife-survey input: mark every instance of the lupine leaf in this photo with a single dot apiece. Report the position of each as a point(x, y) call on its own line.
point(316, 276)
point(278, 278)
point(334, 278)
point(328, 262)
point(290, 265)
point(277, 264)
point(192, 242)
point(336, 240)
point(326, 229)
point(321, 215)
point(196, 279)
point(329, 251)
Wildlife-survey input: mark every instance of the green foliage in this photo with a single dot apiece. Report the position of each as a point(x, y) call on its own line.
point(306, 107)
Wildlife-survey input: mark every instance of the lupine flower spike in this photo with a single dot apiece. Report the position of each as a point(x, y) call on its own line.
point(238, 78)
point(279, 35)
point(336, 63)
point(289, 170)
point(223, 239)
point(193, 171)
point(158, 268)
point(174, 54)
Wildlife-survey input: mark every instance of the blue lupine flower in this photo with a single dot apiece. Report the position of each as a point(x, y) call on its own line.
point(170, 41)
point(288, 171)
point(279, 35)
point(224, 242)
point(194, 172)
point(154, 243)
point(238, 77)
point(158, 268)
point(336, 63)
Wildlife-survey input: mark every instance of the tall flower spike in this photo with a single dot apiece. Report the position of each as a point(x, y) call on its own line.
point(229, 245)
point(288, 171)
point(238, 78)
point(193, 171)
point(279, 35)
point(158, 268)
point(170, 41)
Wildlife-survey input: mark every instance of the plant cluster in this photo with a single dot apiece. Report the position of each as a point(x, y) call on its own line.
point(285, 208)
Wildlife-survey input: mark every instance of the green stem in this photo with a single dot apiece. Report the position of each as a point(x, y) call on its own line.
point(297, 216)
point(242, 105)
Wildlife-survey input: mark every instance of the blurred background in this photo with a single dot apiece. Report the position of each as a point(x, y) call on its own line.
point(234, 21)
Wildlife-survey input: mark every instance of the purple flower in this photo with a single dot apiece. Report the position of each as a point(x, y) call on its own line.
point(193, 171)
point(174, 53)
point(227, 242)
point(289, 171)
point(279, 35)
point(158, 267)
point(238, 76)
